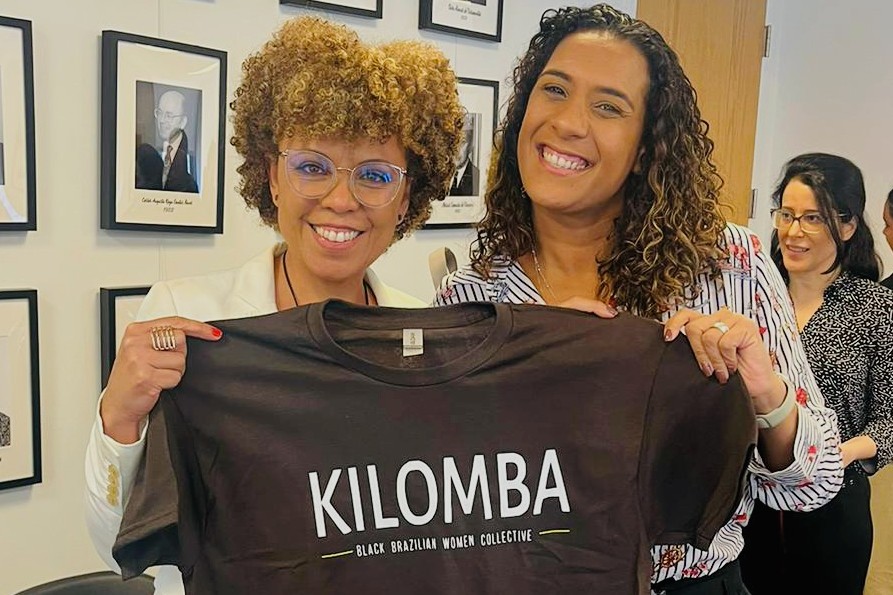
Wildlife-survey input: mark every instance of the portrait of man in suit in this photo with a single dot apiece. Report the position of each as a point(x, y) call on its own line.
point(468, 178)
point(5, 433)
point(169, 162)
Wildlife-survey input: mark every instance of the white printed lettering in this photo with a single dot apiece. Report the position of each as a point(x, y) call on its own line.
point(543, 491)
point(403, 502)
point(323, 504)
point(452, 481)
point(514, 484)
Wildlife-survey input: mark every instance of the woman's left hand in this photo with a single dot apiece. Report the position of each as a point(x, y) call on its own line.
point(726, 342)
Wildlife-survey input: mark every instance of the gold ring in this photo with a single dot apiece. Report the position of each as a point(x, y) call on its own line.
point(163, 338)
point(720, 326)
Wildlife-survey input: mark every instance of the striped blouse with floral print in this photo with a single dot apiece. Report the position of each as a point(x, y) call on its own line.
point(750, 285)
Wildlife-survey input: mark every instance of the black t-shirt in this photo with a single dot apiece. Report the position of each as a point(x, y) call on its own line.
point(527, 450)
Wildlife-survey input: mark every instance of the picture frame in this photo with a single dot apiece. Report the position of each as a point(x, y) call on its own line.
point(118, 307)
point(464, 205)
point(162, 135)
point(480, 19)
point(18, 174)
point(20, 451)
point(362, 8)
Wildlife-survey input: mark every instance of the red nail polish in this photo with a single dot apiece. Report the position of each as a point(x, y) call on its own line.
point(217, 333)
point(668, 335)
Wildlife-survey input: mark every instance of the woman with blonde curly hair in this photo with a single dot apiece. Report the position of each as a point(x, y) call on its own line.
point(602, 190)
point(345, 145)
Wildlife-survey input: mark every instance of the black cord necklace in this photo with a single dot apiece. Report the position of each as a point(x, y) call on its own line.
point(292, 289)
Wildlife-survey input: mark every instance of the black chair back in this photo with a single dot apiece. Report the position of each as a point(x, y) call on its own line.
point(95, 583)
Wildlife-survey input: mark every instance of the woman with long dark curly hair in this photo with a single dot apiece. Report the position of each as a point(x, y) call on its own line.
point(344, 146)
point(825, 252)
point(602, 189)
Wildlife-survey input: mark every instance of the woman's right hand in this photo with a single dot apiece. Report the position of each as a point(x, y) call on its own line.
point(141, 372)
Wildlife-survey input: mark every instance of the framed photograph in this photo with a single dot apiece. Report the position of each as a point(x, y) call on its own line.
point(481, 19)
point(464, 205)
point(163, 135)
point(18, 187)
point(19, 390)
point(363, 8)
point(118, 307)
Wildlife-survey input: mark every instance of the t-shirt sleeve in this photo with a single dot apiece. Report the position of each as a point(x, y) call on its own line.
point(698, 440)
point(150, 530)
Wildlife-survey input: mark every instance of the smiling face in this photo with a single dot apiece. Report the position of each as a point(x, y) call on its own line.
point(807, 253)
point(335, 238)
point(582, 129)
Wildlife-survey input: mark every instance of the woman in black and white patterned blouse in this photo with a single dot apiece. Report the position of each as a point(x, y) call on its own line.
point(826, 254)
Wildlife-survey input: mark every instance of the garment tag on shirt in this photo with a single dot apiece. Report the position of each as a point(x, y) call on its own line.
point(413, 342)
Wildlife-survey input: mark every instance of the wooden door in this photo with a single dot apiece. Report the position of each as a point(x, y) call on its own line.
point(720, 44)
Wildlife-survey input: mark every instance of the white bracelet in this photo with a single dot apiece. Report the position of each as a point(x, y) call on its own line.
point(780, 413)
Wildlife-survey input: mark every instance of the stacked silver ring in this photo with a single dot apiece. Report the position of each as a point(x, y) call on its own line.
point(163, 338)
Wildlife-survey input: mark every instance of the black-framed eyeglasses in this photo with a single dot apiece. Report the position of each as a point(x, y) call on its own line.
point(810, 221)
point(313, 175)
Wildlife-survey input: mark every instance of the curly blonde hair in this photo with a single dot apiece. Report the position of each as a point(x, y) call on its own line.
point(671, 227)
point(315, 79)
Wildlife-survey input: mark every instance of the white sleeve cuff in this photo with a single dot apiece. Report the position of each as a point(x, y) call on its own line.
point(809, 450)
point(125, 457)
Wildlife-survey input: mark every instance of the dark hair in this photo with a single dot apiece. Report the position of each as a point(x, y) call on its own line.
point(671, 224)
point(889, 203)
point(839, 191)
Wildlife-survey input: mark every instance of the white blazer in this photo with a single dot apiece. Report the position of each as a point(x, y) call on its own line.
point(110, 466)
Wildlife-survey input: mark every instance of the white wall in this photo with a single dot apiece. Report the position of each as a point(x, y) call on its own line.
point(42, 534)
point(827, 86)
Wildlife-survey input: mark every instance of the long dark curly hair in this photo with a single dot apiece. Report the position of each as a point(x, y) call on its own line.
point(671, 227)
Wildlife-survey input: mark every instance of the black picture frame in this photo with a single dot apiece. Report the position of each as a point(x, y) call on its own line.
point(20, 443)
point(18, 170)
point(332, 5)
point(146, 182)
point(468, 18)
point(112, 320)
point(464, 206)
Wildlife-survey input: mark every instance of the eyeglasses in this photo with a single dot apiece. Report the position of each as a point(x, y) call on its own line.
point(163, 115)
point(312, 175)
point(810, 222)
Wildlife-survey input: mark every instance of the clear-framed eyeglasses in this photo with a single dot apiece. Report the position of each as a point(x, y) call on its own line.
point(810, 221)
point(312, 175)
point(163, 115)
